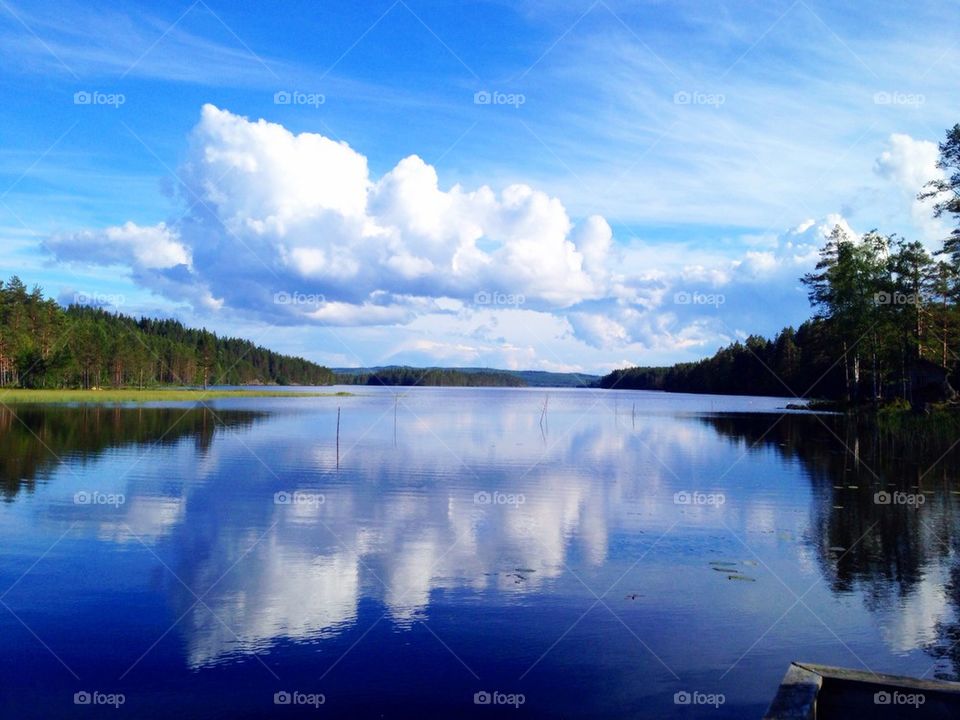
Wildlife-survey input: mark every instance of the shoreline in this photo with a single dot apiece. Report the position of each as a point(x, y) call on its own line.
point(22, 396)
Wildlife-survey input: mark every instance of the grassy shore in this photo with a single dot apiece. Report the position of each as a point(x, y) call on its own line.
point(141, 396)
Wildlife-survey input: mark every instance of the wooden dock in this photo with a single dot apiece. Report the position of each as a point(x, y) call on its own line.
point(821, 692)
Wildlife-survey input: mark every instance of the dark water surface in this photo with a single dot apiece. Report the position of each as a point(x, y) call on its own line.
point(194, 562)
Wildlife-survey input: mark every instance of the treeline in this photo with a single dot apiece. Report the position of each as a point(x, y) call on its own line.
point(795, 362)
point(44, 345)
point(886, 319)
point(409, 376)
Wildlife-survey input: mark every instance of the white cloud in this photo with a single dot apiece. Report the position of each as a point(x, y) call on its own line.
point(149, 248)
point(598, 330)
point(273, 214)
point(271, 211)
point(910, 164)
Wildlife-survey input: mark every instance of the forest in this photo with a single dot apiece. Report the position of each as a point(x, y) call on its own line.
point(44, 345)
point(886, 312)
point(432, 377)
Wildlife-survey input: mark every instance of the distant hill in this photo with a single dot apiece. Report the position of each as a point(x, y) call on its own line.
point(433, 376)
point(471, 376)
point(542, 378)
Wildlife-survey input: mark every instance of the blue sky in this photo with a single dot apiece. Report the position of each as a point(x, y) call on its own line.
point(562, 185)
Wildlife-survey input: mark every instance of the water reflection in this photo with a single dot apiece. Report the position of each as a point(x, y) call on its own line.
point(900, 558)
point(36, 439)
point(475, 505)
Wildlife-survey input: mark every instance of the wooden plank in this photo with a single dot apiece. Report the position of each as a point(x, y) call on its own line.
point(796, 699)
point(899, 681)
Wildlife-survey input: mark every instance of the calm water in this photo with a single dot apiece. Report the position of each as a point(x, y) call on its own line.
point(198, 562)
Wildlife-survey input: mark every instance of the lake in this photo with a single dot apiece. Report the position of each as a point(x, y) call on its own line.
point(464, 553)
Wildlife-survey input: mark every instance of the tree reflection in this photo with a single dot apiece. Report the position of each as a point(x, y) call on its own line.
point(884, 551)
point(34, 440)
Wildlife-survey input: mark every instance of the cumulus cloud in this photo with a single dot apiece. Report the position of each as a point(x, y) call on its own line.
point(704, 299)
point(599, 330)
point(276, 212)
point(294, 229)
point(910, 164)
point(150, 248)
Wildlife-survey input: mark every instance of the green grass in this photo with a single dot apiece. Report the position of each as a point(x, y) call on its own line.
point(139, 396)
point(939, 419)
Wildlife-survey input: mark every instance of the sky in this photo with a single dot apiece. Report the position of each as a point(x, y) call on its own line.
point(569, 186)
